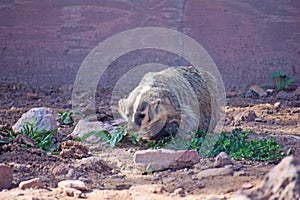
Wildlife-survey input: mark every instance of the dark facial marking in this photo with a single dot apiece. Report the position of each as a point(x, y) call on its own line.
point(138, 117)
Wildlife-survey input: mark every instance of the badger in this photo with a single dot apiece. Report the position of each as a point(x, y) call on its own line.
point(176, 100)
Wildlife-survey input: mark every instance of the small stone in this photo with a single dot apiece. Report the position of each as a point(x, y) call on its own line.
point(215, 172)
point(178, 192)
point(6, 176)
point(247, 186)
point(259, 119)
point(270, 91)
point(155, 160)
point(258, 90)
point(277, 104)
point(71, 192)
point(75, 184)
point(223, 159)
point(35, 183)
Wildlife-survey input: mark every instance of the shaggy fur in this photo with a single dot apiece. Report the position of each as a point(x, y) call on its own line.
point(176, 100)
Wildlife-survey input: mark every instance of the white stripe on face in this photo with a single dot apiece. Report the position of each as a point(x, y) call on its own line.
point(138, 101)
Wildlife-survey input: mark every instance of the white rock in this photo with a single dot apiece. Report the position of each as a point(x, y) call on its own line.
point(35, 183)
point(75, 184)
point(45, 119)
point(247, 186)
point(270, 91)
point(277, 105)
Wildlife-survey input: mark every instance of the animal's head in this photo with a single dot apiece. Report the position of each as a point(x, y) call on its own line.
point(149, 113)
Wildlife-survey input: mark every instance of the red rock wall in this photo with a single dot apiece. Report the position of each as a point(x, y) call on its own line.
point(42, 43)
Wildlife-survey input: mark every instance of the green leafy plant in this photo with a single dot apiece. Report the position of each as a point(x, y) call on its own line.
point(66, 117)
point(42, 137)
point(136, 138)
point(11, 137)
point(119, 134)
point(238, 145)
point(283, 82)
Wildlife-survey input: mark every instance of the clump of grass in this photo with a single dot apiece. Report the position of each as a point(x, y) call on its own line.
point(42, 137)
point(39, 138)
point(283, 82)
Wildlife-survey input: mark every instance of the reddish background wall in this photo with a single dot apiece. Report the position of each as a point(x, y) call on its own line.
point(42, 43)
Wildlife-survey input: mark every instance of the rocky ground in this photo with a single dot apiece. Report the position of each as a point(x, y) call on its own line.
point(109, 173)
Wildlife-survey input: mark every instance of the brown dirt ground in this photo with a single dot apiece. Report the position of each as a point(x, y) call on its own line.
point(109, 172)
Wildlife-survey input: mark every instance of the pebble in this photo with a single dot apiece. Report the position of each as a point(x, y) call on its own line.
point(222, 160)
point(277, 104)
point(247, 186)
point(178, 192)
point(76, 184)
point(35, 183)
point(259, 120)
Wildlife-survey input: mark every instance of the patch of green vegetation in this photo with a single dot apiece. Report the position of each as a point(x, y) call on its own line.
point(66, 117)
point(283, 82)
point(11, 137)
point(42, 137)
point(238, 145)
point(118, 135)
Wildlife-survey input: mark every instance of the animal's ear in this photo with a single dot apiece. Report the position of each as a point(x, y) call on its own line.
point(154, 105)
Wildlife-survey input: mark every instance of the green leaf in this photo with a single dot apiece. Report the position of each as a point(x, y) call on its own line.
point(102, 134)
point(116, 138)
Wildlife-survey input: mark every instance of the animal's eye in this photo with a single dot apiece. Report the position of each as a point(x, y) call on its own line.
point(139, 118)
point(142, 116)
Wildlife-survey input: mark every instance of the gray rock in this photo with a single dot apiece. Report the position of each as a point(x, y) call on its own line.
point(45, 119)
point(225, 171)
point(84, 126)
point(282, 182)
point(257, 90)
point(222, 160)
point(155, 160)
point(6, 176)
point(35, 183)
